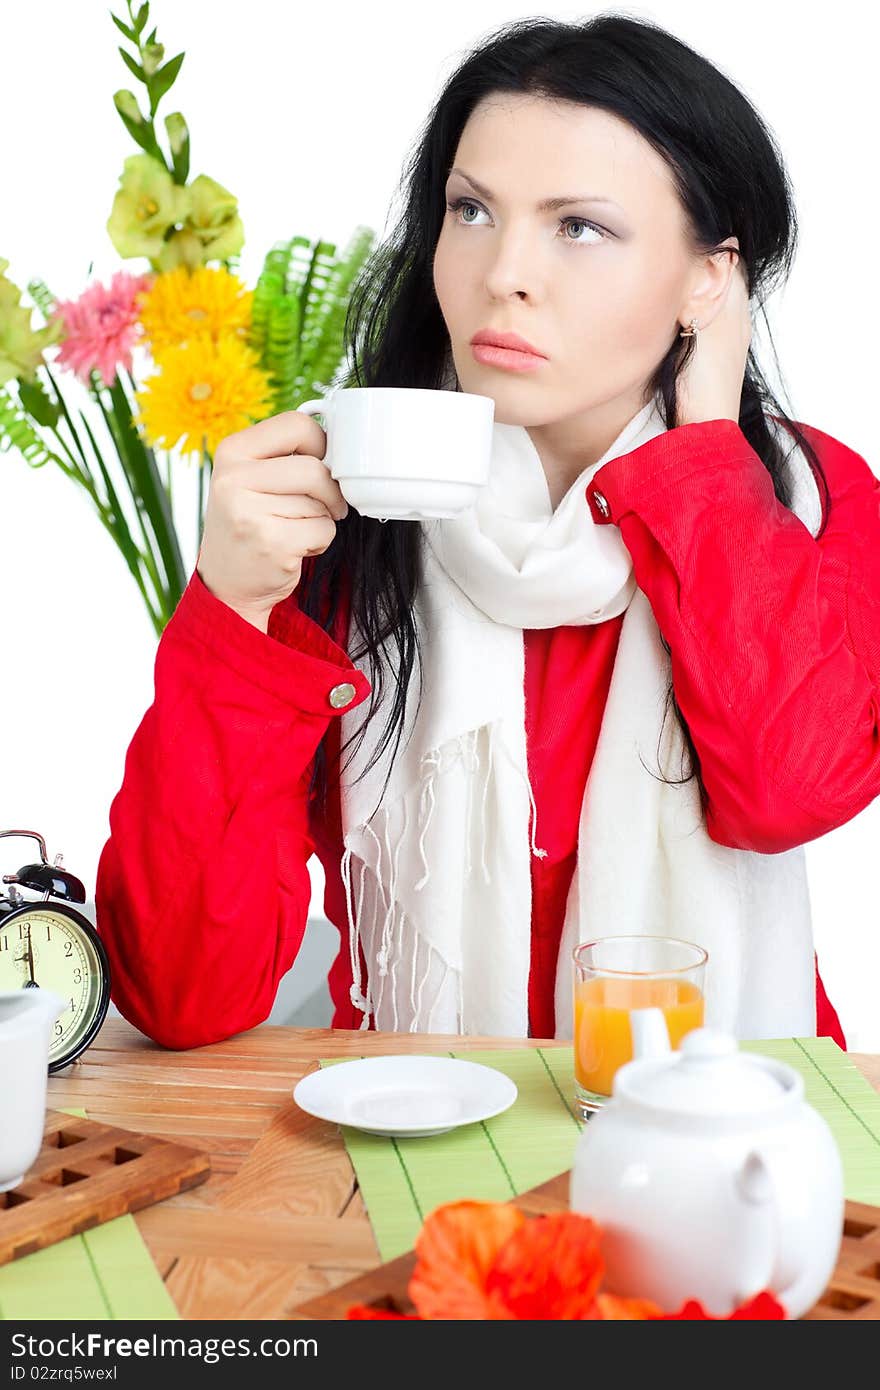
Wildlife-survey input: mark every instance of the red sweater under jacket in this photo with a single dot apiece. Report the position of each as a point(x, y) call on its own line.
point(203, 889)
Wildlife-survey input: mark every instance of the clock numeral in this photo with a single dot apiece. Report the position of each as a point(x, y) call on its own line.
point(22, 931)
point(72, 1005)
point(68, 950)
point(4, 943)
point(48, 933)
point(77, 976)
point(59, 1029)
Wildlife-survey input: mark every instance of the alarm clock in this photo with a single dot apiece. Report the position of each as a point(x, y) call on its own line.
point(45, 942)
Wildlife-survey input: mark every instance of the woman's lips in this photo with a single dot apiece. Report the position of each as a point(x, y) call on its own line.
point(510, 359)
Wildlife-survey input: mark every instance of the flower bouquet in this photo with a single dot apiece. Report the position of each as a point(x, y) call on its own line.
point(487, 1261)
point(213, 355)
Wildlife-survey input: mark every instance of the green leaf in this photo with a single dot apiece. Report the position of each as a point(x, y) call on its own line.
point(137, 560)
point(129, 33)
point(37, 404)
point(298, 314)
point(42, 297)
point(141, 464)
point(141, 18)
point(17, 432)
point(162, 80)
point(81, 471)
point(326, 345)
point(133, 66)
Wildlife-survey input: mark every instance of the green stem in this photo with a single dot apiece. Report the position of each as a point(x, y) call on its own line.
point(135, 559)
point(167, 533)
point(143, 516)
point(111, 517)
point(73, 472)
point(149, 490)
point(201, 506)
point(85, 469)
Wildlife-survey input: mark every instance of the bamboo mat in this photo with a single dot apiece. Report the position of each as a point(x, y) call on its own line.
point(401, 1180)
point(106, 1273)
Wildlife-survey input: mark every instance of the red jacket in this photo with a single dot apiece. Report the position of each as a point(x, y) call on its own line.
point(203, 889)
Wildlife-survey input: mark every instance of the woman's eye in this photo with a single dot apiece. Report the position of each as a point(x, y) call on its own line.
point(579, 222)
point(462, 204)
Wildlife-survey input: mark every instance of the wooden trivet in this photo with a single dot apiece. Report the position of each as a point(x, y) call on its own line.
point(853, 1291)
point(87, 1173)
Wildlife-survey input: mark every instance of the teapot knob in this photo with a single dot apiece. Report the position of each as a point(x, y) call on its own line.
point(707, 1044)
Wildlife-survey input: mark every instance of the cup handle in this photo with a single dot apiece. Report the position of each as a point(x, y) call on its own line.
point(321, 406)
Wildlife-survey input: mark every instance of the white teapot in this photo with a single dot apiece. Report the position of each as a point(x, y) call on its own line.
point(711, 1177)
point(27, 1017)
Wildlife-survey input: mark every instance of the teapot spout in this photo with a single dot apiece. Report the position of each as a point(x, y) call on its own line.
point(650, 1034)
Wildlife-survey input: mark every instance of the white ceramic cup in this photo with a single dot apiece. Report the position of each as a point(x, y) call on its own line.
point(27, 1019)
point(405, 453)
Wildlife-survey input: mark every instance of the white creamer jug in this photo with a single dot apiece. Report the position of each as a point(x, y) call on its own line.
point(712, 1178)
point(27, 1017)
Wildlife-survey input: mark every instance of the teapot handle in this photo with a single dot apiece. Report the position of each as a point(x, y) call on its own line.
point(789, 1269)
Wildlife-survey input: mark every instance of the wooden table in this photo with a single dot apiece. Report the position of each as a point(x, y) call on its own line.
point(280, 1219)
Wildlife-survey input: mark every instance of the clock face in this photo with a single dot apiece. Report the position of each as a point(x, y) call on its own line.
point(47, 947)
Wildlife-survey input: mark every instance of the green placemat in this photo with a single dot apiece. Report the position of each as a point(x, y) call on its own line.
point(401, 1180)
point(105, 1273)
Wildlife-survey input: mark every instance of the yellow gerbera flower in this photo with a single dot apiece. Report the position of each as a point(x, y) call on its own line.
point(181, 305)
point(203, 390)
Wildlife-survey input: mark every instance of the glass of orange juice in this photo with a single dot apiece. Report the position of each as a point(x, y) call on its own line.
point(614, 975)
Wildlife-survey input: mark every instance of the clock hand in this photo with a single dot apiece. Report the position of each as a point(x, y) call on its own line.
point(31, 983)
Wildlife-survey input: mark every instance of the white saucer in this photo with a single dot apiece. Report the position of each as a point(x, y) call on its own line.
point(405, 1097)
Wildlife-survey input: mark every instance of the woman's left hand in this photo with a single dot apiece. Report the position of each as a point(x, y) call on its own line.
point(710, 386)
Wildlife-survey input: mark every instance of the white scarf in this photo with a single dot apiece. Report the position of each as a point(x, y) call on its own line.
point(436, 871)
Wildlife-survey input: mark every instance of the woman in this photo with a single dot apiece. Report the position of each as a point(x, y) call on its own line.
point(647, 659)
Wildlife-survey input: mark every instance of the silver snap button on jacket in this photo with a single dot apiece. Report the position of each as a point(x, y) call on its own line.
point(601, 505)
point(341, 695)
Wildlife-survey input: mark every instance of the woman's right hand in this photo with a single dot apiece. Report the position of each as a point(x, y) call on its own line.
point(271, 502)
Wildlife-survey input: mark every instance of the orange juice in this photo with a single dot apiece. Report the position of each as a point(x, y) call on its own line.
point(602, 1035)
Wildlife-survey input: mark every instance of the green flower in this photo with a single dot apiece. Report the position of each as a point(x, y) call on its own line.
point(21, 347)
point(183, 247)
point(213, 216)
point(147, 203)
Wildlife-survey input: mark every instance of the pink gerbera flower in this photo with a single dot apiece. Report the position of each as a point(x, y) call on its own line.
point(101, 327)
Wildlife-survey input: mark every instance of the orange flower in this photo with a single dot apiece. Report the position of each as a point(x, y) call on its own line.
point(486, 1260)
point(456, 1249)
point(762, 1308)
point(614, 1309)
point(364, 1311)
point(549, 1268)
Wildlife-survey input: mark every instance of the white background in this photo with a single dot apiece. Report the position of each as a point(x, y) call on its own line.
point(307, 113)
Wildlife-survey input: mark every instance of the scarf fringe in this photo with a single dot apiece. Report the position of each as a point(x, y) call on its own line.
point(432, 765)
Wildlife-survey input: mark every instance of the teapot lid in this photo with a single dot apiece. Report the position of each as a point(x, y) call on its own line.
point(707, 1076)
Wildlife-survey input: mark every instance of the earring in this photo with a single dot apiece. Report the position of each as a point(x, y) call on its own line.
point(690, 332)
